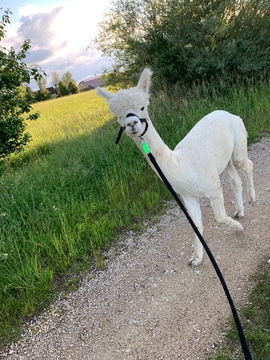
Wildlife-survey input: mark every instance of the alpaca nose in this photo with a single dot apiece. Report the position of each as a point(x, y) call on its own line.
point(132, 123)
point(131, 120)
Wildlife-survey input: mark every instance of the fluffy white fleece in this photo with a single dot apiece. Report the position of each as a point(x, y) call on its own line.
point(216, 144)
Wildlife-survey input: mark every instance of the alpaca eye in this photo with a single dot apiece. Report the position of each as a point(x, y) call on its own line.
point(142, 108)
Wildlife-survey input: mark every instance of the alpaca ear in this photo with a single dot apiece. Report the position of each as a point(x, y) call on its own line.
point(106, 94)
point(144, 81)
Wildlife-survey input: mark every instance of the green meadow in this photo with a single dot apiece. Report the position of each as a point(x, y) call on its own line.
point(73, 193)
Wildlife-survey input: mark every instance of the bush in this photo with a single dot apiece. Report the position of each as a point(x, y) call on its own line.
point(187, 41)
point(13, 74)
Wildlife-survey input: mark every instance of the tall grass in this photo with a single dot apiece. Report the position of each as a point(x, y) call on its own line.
point(69, 195)
point(60, 208)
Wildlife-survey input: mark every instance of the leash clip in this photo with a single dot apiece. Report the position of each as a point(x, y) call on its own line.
point(145, 146)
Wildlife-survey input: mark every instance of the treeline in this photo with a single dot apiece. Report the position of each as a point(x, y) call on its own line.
point(63, 86)
point(187, 41)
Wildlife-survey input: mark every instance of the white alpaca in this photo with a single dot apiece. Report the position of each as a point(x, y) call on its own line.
point(216, 144)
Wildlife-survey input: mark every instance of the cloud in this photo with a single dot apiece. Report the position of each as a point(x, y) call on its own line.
point(38, 56)
point(39, 28)
point(59, 37)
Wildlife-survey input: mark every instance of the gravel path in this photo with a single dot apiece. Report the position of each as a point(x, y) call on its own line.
point(147, 303)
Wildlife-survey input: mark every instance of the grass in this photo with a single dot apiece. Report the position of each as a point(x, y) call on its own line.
point(60, 208)
point(256, 322)
point(72, 192)
point(61, 120)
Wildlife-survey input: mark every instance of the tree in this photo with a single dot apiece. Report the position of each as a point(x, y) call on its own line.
point(67, 78)
point(187, 40)
point(42, 94)
point(70, 83)
point(55, 79)
point(42, 82)
point(63, 89)
point(13, 74)
point(73, 87)
point(66, 86)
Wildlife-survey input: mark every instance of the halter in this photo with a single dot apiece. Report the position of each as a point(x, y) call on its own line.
point(122, 128)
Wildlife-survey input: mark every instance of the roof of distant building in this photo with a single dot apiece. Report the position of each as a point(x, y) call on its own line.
point(51, 89)
point(90, 83)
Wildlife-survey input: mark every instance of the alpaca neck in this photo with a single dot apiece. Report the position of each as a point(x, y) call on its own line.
point(169, 161)
point(157, 146)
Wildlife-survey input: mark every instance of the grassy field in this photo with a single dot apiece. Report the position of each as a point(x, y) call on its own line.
point(73, 192)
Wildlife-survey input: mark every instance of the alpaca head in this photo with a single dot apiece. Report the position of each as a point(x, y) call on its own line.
point(130, 105)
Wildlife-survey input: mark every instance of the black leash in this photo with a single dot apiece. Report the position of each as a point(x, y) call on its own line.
point(243, 341)
point(147, 152)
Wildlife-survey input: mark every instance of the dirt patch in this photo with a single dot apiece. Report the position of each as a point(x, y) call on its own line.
point(148, 304)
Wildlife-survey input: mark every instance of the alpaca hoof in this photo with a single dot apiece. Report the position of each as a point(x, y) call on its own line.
point(193, 262)
point(239, 214)
point(252, 201)
point(252, 197)
point(236, 226)
point(239, 229)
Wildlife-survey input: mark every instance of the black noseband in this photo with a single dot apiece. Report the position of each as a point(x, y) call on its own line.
point(122, 128)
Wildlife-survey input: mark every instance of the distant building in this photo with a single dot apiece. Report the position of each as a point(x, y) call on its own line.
point(52, 90)
point(90, 84)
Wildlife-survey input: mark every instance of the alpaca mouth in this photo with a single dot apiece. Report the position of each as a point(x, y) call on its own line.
point(132, 131)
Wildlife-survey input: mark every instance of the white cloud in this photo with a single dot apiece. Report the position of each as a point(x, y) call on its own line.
point(40, 28)
point(30, 9)
point(60, 35)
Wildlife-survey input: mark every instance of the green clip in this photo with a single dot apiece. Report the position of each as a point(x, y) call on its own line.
point(145, 147)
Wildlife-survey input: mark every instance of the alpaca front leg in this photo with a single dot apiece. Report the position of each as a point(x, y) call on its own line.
point(197, 257)
point(194, 210)
point(217, 203)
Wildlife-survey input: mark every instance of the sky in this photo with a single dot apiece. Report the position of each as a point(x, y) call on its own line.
point(60, 32)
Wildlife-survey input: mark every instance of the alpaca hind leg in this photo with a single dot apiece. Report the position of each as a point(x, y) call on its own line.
point(241, 161)
point(247, 167)
point(194, 210)
point(236, 185)
point(217, 203)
